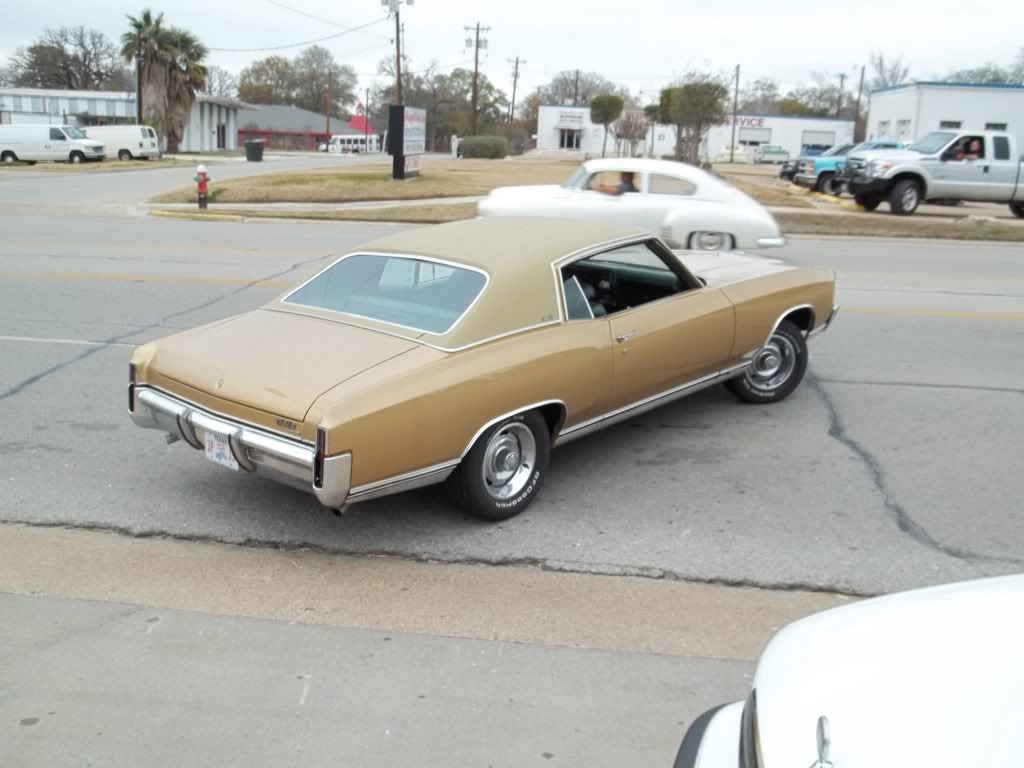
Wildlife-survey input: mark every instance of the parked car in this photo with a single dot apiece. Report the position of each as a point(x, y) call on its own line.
point(56, 143)
point(825, 173)
point(733, 154)
point(930, 677)
point(685, 206)
point(463, 352)
point(770, 153)
point(127, 142)
point(983, 166)
point(792, 167)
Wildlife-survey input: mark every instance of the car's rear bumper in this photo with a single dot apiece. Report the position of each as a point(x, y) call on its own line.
point(256, 450)
point(713, 739)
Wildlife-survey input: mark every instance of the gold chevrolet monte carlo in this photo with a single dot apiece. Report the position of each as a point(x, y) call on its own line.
point(463, 353)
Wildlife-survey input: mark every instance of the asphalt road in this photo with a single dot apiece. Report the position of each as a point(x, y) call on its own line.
point(897, 464)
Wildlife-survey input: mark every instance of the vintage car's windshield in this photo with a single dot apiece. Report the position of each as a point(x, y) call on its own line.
point(574, 181)
point(931, 143)
point(414, 293)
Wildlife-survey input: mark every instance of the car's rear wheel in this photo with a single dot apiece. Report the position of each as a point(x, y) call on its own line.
point(124, 155)
point(502, 472)
point(777, 368)
point(1018, 210)
point(711, 241)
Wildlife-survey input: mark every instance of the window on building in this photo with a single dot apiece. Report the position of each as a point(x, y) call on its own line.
point(883, 127)
point(995, 126)
point(90, 107)
point(902, 129)
point(1001, 145)
point(947, 124)
point(37, 103)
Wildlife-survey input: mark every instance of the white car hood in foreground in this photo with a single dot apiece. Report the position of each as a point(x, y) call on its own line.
point(926, 678)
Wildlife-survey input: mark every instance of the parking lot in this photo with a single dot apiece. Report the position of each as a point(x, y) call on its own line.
point(895, 465)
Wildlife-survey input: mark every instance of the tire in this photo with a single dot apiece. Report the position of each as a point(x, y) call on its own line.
point(124, 155)
point(832, 186)
point(786, 355)
point(867, 203)
point(8, 157)
point(823, 182)
point(1018, 210)
point(480, 484)
point(76, 158)
point(711, 241)
point(905, 197)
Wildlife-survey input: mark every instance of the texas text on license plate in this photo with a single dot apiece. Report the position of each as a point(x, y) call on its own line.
point(218, 450)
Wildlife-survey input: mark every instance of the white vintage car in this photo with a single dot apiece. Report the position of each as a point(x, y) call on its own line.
point(931, 677)
point(682, 204)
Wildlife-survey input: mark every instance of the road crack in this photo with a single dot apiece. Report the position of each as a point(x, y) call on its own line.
point(906, 524)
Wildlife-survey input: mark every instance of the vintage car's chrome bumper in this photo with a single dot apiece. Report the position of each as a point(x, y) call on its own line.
point(771, 242)
point(827, 323)
point(288, 461)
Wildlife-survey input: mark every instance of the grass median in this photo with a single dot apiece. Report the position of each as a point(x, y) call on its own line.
point(852, 225)
point(103, 166)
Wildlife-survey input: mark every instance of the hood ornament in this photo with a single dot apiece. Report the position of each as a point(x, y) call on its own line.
point(824, 737)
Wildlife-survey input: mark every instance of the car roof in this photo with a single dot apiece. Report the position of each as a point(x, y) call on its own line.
point(641, 165)
point(516, 253)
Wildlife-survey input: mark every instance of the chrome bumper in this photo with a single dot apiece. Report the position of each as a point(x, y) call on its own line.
point(286, 461)
point(771, 242)
point(824, 327)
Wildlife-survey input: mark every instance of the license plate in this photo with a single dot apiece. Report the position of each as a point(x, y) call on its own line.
point(218, 450)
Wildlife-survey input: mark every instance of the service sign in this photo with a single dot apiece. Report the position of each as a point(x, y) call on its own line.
point(572, 119)
point(414, 131)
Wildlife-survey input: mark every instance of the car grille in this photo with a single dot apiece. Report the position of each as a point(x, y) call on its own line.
point(856, 165)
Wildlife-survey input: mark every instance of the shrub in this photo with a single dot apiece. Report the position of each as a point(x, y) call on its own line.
point(486, 147)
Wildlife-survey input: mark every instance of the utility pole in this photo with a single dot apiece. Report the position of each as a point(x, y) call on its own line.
point(327, 107)
point(398, 56)
point(366, 123)
point(842, 85)
point(576, 90)
point(477, 44)
point(515, 81)
point(858, 134)
point(735, 109)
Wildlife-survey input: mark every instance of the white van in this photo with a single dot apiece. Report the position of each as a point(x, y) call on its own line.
point(61, 144)
point(126, 141)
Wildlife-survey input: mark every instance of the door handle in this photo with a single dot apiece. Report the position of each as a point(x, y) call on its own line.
point(626, 336)
point(984, 168)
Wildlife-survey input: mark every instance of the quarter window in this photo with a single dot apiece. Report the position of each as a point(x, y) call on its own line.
point(670, 185)
point(1001, 144)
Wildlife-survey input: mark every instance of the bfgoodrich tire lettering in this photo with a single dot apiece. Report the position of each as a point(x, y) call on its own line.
point(503, 471)
point(777, 369)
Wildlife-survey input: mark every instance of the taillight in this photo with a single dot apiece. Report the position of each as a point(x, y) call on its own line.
point(319, 456)
point(132, 375)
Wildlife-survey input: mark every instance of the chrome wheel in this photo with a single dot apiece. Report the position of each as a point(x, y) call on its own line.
point(910, 198)
point(709, 241)
point(773, 364)
point(509, 460)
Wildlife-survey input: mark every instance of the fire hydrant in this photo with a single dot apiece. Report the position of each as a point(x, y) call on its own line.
point(202, 180)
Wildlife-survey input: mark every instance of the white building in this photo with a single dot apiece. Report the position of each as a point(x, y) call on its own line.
point(212, 124)
point(570, 128)
point(914, 109)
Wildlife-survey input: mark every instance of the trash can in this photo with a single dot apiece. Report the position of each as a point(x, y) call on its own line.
point(254, 150)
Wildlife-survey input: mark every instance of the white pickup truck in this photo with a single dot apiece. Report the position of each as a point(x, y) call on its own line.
point(983, 166)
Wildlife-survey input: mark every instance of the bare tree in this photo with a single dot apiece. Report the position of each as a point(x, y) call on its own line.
point(220, 82)
point(575, 87)
point(72, 58)
point(887, 73)
point(631, 129)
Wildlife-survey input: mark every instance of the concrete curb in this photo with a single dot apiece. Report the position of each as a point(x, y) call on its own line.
point(196, 216)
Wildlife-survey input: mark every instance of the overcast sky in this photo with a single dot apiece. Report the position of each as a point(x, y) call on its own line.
point(640, 44)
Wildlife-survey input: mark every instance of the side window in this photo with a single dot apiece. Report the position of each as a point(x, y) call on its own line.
point(577, 306)
point(623, 278)
point(611, 182)
point(1002, 147)
point(56, 134)
point(670, 185)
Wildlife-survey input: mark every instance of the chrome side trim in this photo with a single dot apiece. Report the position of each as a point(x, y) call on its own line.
point(412, 257)
point(826, 324)
point(494, 421)
point(399, 483)
point(647, 404)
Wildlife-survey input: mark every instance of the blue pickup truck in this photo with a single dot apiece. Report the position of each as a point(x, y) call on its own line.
point(822, 173)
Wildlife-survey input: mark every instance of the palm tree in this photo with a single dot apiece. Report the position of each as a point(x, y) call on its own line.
point(186, 77)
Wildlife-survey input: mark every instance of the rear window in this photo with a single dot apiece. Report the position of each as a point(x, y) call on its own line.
point(413, 293)
point(1002, 147)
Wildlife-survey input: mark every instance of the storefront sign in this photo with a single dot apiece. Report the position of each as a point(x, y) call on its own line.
point(746, 122)
point(406, 140)
point(569, 119)
point(414, 131)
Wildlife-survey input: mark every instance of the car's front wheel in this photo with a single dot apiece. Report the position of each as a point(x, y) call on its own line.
point(1018, 210)
point(711, 241)
point(504, 469)
point(776, 370)
point(905, 197)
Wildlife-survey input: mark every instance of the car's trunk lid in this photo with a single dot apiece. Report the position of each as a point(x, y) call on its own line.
point(275, 362)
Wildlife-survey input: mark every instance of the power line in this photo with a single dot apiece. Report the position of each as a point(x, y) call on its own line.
point(298, 45)
point(320, 18)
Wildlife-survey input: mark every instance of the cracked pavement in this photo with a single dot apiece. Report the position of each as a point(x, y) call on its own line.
point(896, 464)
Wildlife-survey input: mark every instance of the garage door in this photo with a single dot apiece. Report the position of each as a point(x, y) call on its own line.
point(823, 139)
point(753, 137)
